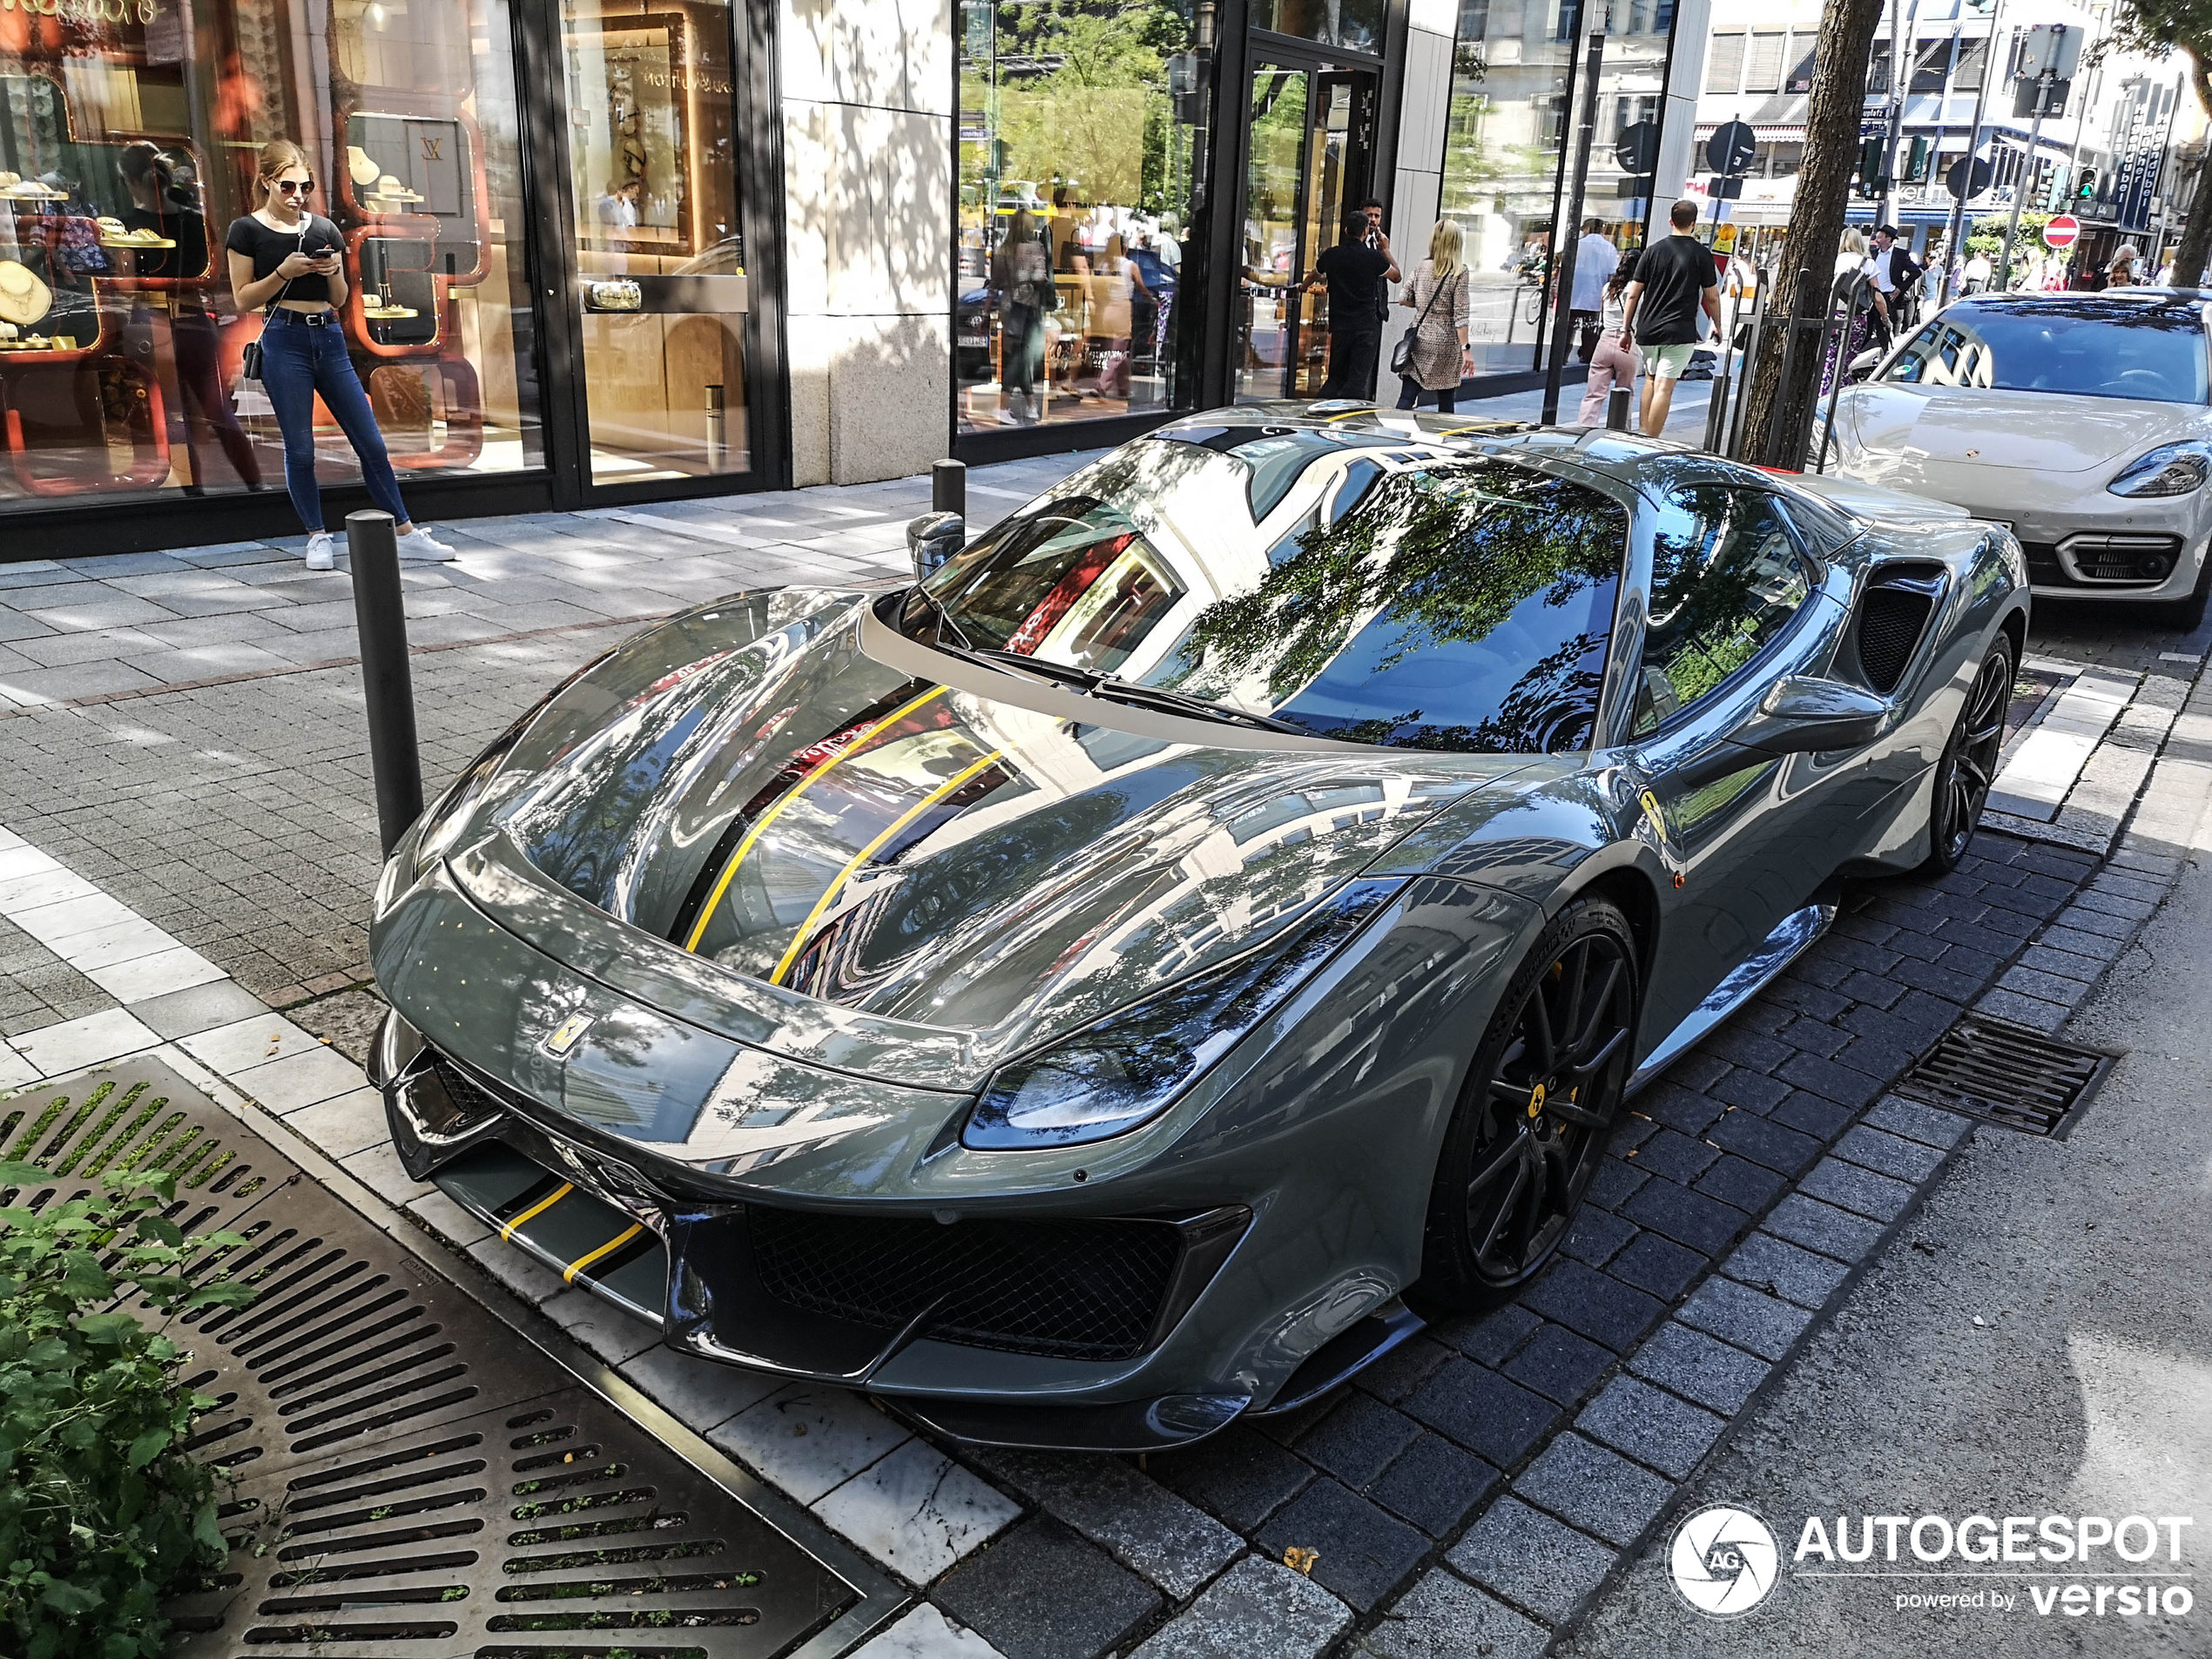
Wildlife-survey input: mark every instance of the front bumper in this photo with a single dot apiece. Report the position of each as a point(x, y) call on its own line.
point(2100, 547)
point(774, 1288)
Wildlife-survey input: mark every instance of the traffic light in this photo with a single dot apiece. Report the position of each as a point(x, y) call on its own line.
point(1871, 181)
point(2087, 188)
point(1918, 161)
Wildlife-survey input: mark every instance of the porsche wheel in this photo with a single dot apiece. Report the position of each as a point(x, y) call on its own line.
point(1540, 1098)
point(1969, 763)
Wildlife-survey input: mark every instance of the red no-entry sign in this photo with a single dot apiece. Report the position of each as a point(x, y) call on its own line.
point(2061, 231)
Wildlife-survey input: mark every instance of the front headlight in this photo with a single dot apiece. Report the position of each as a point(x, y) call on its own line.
point(2170, 469)
point(1128, 1068)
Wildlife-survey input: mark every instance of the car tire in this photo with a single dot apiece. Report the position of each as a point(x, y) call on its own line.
point(1969, 762)
point(1517, 1158)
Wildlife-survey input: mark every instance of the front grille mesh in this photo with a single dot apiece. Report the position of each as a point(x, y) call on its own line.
point(1082, 1289)
point(1889, 626)
point(471, 1098)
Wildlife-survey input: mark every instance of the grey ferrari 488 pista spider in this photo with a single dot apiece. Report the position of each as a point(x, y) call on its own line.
point(1082, 996)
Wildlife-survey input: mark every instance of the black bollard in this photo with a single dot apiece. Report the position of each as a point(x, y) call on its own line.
point(1616, 409)
point(381, 614)
point(948, 488)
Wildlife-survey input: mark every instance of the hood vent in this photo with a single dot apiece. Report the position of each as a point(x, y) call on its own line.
point(1891, 617)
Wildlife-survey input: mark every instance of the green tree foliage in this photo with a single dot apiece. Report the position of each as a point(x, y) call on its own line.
point(1443, 556)
point(1094, 115)
point(101, 1510)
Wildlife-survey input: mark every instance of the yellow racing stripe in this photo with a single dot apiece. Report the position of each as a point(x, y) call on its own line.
point(951, 786)
point(507, 1228)
point(759, 828)
point(589, 1256)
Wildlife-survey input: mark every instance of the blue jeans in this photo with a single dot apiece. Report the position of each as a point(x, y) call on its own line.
point(300, 359)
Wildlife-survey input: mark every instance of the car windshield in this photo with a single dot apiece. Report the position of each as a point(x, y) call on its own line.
point(2080, 345)
point(1449, 603)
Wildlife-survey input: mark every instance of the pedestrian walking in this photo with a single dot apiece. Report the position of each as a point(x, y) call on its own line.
point(2123, 272)
point(1977, 274)
point(1867, 322)
point(1021, 280)
point(1895, 277)
point(285, 261)
point(1435, 351)
point(1596, 261)
point(1611, 365)
point(1355, 275)
point(1674, 282)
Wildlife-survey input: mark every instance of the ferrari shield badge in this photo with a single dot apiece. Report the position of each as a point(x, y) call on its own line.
point(565, 1034)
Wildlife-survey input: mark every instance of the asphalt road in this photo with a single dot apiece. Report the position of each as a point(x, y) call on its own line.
point(2038, 1341)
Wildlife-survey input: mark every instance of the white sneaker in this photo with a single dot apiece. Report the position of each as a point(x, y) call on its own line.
point(322, 551)
point(419, 543)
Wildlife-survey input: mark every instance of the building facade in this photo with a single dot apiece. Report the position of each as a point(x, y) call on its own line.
point(610, 251)
point(2102, 151)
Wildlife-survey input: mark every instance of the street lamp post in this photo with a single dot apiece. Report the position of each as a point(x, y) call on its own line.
point(2055, 49)
point(1954, 234)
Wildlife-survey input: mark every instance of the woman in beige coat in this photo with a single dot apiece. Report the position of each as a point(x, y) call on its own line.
point(1439, 296)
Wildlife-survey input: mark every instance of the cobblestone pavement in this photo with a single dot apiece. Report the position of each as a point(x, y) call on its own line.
point(179, 859)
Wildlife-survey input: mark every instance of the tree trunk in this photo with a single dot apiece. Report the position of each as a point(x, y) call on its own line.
point(2196, 235)
point(1832, 119)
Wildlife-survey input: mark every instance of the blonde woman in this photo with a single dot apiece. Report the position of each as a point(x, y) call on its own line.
point(1439, 296)
point(1853, 261)
point(285, 260)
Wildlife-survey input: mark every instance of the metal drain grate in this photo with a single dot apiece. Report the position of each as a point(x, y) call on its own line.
point(2008, 1075)
point(411, 1480)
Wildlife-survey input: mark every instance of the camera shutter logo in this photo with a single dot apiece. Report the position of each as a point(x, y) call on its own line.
point(1725, 1561)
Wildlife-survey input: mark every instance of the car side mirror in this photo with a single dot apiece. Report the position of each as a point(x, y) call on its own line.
point(1803, 715)
point(1864, 364)
point(933, 538)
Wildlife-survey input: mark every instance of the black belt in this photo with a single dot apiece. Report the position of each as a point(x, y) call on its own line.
point(306, 318)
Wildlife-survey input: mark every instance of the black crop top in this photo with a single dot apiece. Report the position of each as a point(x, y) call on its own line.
point(268, 249)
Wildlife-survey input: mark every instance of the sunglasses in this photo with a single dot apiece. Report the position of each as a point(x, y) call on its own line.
point(296, 187)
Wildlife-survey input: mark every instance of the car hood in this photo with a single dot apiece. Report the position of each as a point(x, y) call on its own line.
point(853, 855)
point(1905, 437)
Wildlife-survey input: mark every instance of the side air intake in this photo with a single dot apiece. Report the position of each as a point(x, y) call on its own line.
point(1891, 617)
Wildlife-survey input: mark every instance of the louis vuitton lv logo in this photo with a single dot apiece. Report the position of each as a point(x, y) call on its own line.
point(433, 148)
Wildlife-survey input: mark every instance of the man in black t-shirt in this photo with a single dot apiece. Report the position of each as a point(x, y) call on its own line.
point(1357, 278)
point(1674, 280)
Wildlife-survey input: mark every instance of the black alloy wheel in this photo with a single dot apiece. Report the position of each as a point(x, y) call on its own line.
point(1540, 1102)
point(1969, 763)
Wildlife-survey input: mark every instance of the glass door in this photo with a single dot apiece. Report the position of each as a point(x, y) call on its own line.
point(1309, 155)
point(659, 261)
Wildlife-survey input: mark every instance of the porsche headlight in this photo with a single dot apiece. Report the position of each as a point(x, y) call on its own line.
point(2170, 469)
point(1128, 1068)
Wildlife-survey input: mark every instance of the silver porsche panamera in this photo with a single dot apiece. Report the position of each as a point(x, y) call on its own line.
point(1077, 998)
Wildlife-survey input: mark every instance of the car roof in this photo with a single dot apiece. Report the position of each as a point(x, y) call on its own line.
point(2137, 296)
point(1625, 458)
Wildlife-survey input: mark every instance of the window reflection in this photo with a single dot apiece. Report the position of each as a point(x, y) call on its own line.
point(126, 143)
point(1080, 125)
point(1421, 601)
point(1725, 579)
point(2075, 344)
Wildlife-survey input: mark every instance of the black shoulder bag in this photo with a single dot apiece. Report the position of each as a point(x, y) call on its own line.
point(249, 365)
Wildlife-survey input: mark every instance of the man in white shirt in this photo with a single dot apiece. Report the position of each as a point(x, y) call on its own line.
point(1977, 274)
point(1596, 261)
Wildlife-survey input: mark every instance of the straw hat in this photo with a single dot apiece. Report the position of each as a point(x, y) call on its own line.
point(23, 298)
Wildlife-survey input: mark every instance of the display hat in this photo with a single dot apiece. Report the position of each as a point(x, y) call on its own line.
point(23, 298)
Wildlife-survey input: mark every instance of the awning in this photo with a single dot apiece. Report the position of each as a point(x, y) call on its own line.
point(1769, 134)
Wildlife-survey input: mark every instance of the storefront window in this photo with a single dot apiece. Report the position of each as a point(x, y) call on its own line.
point(652, 162)
point(127, 141)
point(1355, 24)
point(1081, 122)
point(1505, 149)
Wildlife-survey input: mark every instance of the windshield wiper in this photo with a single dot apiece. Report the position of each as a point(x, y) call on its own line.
point(1095, 684)
point(1184, 703)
